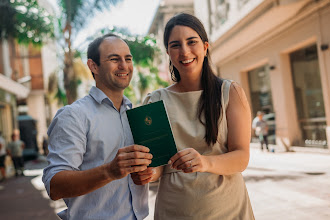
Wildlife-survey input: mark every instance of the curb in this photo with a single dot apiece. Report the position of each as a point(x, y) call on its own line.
point(298, 149)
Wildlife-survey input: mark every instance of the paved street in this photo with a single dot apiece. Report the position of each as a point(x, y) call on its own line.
point(285, 185)
point(289, 185)
point(281, 185)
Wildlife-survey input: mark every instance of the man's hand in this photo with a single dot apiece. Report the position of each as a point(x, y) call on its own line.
point(143, 177)
point(69, 183)
point(130, 159)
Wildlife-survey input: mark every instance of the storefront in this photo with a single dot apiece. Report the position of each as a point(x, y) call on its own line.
point(261, 98)
point(279, 53)
point(9, 91)
point(309, 95)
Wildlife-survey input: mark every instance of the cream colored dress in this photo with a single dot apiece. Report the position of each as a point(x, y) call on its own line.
point(198, 195)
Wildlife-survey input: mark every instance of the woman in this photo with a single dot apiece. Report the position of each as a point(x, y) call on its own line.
point(211, 119)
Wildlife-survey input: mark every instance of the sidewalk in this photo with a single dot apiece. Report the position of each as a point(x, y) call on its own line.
point(24, 197)
point(289, 185)
point(281, 185)
point(301, 160)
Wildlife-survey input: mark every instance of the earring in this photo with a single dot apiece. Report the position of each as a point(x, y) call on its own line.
point(171, 67)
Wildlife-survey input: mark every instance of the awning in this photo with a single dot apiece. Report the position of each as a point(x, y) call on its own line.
point(13, 87)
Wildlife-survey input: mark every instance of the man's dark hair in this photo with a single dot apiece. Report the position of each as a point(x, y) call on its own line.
point(93, 51)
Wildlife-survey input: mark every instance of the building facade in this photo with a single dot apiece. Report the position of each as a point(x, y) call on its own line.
point(166, 10)
point(10, 89)
point(24, 73)
point(279, 52)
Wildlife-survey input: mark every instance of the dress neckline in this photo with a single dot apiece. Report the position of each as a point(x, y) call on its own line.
point(190, 92)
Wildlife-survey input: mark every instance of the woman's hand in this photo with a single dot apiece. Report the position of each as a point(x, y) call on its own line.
point(189, 161)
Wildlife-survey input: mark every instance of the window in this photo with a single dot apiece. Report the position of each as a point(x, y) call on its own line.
point(308, 95)
point(219, 12)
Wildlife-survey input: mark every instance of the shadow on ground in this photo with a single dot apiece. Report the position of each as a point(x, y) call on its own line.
point(21, 200)
point(275, 178)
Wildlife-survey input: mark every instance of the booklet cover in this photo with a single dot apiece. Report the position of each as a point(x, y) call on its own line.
point(151, 128)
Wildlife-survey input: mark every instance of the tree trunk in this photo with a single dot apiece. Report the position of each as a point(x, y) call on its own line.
point(70, 81)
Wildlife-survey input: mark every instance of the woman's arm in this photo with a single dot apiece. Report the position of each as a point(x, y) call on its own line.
point(239, 132)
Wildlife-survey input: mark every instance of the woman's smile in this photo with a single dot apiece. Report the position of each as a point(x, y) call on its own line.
point(187, 62)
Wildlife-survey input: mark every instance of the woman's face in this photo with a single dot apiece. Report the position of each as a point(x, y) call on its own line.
point(187, 51)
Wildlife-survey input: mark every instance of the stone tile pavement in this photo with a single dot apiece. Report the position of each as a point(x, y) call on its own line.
point(281, 185)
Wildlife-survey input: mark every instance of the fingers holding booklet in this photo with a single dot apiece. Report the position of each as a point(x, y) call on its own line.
point(151, 127)
point(133, 158)
point(143, 177)
point(151, 174)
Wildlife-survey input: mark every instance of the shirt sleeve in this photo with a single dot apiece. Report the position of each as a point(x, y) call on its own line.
point(67, 143)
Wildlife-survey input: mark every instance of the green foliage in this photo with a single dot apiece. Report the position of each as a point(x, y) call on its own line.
point(129, 93)
point(144, 50)
point(60, 96)
point(75, 14)
point(144, 81)
point(25, 21)
point(161, 82)
point(78, 12)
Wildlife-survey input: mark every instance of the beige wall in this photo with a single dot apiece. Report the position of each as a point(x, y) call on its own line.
point(312, 28)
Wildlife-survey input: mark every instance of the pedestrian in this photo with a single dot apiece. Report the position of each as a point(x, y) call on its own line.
point(15, 151)
point(91, 148)
point(210, 119)
point(260, 127)
point(2, 157)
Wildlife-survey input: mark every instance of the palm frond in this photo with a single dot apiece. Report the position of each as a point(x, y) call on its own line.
point(78, 12)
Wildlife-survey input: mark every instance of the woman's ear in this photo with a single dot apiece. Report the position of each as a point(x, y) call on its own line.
point(206, 46)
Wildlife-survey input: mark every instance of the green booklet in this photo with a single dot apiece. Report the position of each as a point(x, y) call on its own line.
point(151, 128)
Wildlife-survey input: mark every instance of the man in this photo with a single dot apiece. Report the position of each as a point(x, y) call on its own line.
point(15, 150)
point(2, 157)
point(91, 150)
point(261, 129)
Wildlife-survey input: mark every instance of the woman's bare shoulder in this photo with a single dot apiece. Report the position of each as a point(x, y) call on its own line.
point(237, 95)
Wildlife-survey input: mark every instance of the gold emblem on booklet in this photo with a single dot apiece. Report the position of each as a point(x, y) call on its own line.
point(148, 120)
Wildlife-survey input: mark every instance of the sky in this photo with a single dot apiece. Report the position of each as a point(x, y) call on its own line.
point(136, 15)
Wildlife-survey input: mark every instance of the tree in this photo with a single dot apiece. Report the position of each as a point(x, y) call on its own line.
point(145, 51)
point(25, 21)
point(75, 15)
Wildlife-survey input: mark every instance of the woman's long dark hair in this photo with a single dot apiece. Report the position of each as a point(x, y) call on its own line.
point(210, 101)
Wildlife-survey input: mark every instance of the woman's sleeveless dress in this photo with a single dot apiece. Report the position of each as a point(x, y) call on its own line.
point(200, 196)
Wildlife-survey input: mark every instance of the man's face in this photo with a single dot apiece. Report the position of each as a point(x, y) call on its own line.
point(116, 67)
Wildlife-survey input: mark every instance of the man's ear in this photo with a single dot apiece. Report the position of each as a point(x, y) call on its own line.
point(92, 66)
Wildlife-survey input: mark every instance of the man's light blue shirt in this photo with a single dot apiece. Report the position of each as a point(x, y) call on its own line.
point(87, 134)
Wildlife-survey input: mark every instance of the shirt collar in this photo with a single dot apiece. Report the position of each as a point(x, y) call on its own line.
point(127, 103)
point(98, 95)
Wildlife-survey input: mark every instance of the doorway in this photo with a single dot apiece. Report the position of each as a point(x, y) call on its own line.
point(309, 96)
point(261, 98)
